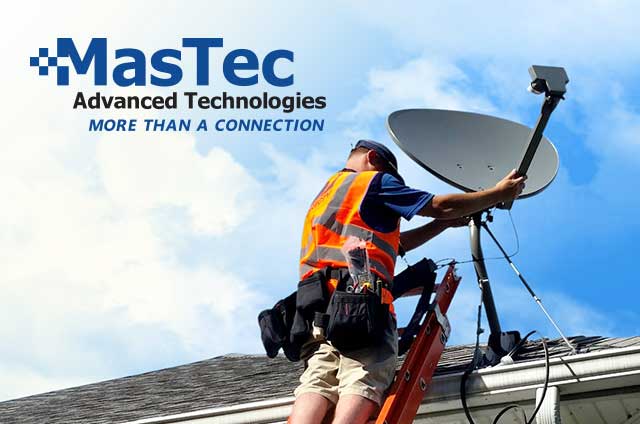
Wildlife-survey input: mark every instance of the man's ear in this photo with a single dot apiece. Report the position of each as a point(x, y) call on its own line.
point(375, 161)
point(372, 157)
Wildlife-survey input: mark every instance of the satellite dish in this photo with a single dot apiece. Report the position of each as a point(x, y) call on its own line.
point(471, 151)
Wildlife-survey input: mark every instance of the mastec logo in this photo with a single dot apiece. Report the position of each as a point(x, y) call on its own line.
point(164, 65)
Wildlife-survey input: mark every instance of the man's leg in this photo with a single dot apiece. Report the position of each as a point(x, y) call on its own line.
point(364, 376)
point(309, 408)
point(318, 389)
point(354, 409)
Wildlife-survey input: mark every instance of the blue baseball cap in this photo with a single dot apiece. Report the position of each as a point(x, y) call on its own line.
point(384, 153)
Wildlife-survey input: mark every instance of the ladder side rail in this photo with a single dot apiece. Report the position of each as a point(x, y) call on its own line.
point(414, 377)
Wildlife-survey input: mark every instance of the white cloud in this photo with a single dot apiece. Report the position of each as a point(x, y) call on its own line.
point(574, 316)
point(615, 133)
point(424, 82)
point(90, 263)
point(20, 381)
point(144, 172)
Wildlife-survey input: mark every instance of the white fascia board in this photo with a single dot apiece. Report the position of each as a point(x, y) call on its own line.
point(269, 411)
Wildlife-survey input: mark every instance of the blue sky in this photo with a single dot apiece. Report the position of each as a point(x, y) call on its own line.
point(126, 253)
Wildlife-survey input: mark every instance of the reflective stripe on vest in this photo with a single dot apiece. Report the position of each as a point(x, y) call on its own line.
point(333, 216)
point(336, 227)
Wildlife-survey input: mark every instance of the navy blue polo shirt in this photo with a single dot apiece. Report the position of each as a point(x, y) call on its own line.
point(388, 199)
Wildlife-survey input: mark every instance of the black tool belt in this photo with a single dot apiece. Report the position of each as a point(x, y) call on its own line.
point(349, 320)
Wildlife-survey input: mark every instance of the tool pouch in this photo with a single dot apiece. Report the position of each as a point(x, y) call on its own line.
point(275, 327)
point(311, 297)
point(356, 320)
point(272, 331)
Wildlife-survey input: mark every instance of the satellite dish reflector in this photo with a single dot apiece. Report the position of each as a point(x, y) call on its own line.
point(471, 151)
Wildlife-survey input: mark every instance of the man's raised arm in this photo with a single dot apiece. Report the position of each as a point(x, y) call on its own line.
point(455, 205)
point(450, 210)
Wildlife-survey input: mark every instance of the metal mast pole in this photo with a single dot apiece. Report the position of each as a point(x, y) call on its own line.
point(475, 226)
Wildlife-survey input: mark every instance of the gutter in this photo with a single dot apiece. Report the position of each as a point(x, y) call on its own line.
point(269, 411)
point(582, 373)
point(572, 375)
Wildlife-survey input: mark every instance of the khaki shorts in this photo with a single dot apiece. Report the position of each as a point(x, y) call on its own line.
point(366, 372)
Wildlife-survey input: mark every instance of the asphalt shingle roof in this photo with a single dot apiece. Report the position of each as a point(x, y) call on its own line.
point(221, 381)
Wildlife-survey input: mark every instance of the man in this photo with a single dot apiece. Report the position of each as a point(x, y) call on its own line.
point(366, 199)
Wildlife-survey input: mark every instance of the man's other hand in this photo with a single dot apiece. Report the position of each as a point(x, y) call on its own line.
point(455, 222)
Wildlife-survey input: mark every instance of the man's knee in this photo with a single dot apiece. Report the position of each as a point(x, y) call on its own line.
point(354, 409)
point(309, 408)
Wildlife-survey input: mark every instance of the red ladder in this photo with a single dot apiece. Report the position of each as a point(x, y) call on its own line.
point(413, 379)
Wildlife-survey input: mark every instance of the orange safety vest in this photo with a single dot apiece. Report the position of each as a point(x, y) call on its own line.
point(333, 216)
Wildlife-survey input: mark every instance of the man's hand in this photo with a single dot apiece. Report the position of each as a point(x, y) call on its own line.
point(510, 186)
point(418, 236)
